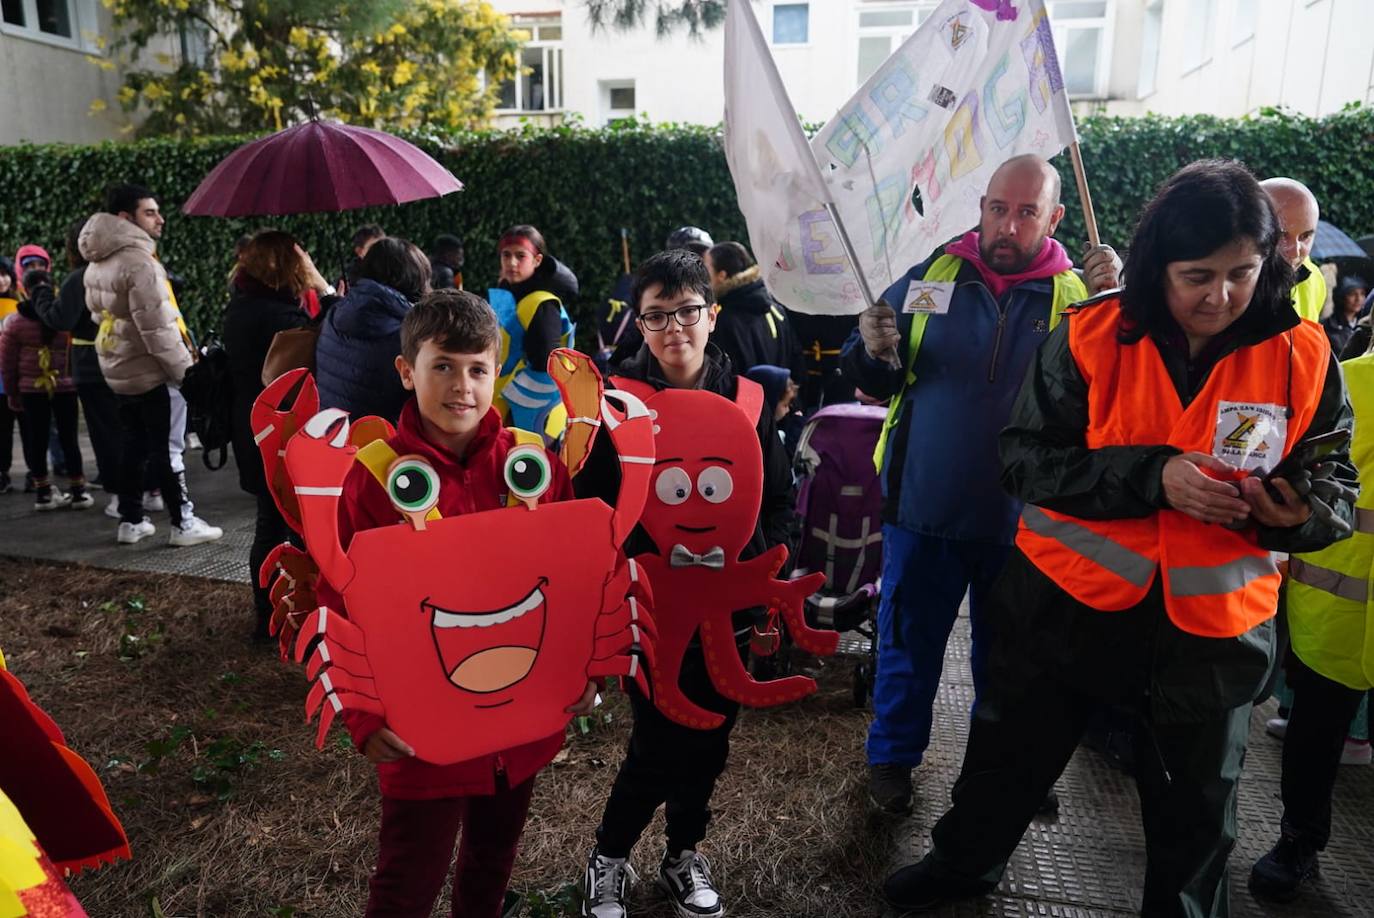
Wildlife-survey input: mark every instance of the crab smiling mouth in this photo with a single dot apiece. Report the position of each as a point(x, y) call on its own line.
point(486, 652)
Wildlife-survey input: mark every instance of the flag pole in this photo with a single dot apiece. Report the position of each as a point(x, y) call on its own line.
point(850, 255)
point(1084, 195)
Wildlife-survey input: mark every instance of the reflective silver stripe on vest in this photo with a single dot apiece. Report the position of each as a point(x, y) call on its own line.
point(1219, 579)
point(1130, 566)
point(1355, 589)
point(1364, 520)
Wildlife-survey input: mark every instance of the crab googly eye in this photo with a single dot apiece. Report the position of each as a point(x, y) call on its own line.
point(413, 485)
point(673, 486)
point(715, 484)
point(528, 474)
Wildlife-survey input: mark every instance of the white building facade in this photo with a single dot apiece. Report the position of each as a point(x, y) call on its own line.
point(1125, 57)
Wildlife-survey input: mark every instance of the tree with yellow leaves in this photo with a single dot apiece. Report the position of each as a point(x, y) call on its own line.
point(260, 65)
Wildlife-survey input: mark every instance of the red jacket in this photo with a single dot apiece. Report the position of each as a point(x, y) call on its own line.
point(21, 346)
point(468, 485)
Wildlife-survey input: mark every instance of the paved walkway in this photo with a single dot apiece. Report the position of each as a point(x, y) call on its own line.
point(1087, 862)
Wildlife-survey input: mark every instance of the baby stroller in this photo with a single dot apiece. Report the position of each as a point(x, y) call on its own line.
point(840, 503)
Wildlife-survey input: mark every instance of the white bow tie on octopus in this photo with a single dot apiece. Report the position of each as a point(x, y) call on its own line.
point(682, 557)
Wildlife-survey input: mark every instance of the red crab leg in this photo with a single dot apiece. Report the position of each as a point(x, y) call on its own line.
point(337, 702)
point(324, 623)
point(339, 658)
point(333, 682)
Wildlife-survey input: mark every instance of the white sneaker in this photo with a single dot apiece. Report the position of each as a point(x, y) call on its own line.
point(686, 878)
point(604, 884)
point(129, 533)
point(1356, 752)
point(153, 502)
point(193, 531)
point(1276, 727)
point(81, 499)
point(50, 498)
point(112, 508)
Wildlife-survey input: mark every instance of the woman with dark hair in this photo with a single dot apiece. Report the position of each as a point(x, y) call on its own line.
point(1143, 577)
point(751, 329)
point(273, 271)
point(531, 300)
point(355, 360)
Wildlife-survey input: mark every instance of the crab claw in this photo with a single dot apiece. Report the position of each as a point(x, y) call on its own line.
point(579, 382)
point(632, 432)
point(273, 424)
point(330, 423)
point(339, 658)
point(332, 627)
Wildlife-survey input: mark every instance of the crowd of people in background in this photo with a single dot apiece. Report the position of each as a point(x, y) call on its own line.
point(992, 489)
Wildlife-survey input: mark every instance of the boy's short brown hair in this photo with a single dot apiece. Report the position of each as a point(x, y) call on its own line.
point(456, 320)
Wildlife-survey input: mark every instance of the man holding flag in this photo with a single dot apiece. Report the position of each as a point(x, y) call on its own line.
point(952, 363)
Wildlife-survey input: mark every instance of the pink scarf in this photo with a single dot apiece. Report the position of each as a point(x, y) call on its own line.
point(1052, 260)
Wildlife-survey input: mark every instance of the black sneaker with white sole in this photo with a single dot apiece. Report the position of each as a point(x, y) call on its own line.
point(686, 878)
point(604, 884)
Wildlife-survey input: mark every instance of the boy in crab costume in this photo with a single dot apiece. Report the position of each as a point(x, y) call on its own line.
point(712, 539)
point(449, 457)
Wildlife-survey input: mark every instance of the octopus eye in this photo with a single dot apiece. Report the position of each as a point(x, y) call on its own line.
point(715, 484)
point(673, 486)
point(527, 472)
point(413, 485)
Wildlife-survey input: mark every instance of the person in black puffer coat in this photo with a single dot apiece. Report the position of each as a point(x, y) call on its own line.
point(355, 360)
point(751, 329)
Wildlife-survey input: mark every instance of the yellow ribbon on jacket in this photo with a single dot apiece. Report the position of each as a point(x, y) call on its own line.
point(47, 376)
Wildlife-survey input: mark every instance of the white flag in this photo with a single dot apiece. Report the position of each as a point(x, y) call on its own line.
point(775, 173)
point(978, 83)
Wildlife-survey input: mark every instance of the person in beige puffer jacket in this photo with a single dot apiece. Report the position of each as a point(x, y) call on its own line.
point(140, 345)
point(144, 355)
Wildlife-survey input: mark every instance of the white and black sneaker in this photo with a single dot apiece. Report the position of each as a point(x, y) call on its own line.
point(604, 885)
point(686, 878)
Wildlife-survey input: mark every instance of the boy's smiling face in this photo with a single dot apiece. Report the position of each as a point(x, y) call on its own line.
point(681, 351)
point(453, 391)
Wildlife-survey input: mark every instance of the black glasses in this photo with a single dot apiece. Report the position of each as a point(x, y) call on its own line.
point(686, 317)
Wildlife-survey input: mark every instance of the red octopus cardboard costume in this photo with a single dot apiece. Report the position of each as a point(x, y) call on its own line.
point(470, 634)
point(704, 506)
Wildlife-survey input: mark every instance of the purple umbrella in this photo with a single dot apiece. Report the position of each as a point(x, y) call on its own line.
point(318, 167)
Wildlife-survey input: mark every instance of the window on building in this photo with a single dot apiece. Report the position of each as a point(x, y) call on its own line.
point(58, 21)
point(1244, 20)
point(538, 87)
point(882, 30)
point(1199, 35)
point(791, 23)
point(1149, 48)
point(1081, 34)
point(617, 100)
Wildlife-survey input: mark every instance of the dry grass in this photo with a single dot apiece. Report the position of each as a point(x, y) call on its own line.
point(295, 834)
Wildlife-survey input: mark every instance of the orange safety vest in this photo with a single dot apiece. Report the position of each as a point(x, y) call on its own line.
point(1217, 582)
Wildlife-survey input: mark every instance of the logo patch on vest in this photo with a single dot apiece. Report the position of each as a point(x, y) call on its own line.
point(1250, 436)
point(929, 297)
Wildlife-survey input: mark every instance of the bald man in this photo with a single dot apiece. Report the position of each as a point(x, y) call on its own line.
point(1298, 213)
point(949, 344)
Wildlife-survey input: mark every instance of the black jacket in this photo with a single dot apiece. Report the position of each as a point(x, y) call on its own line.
point(751, 329)
point(254, 316)
point(777, 524)
point(1137, 653)
point(546, 325)
point(66, 311)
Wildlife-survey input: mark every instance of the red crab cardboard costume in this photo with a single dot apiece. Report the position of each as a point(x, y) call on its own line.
point(469, 634)
point(707, 492)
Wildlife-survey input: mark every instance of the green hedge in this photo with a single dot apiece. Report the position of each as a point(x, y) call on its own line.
point(580, 185)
